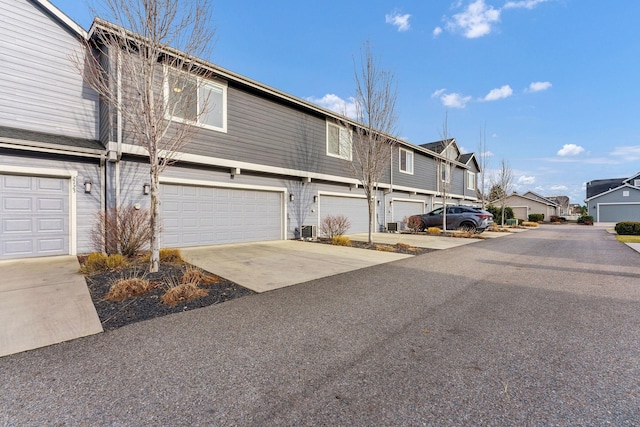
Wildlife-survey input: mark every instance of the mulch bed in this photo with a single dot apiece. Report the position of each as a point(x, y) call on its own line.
point(117, 314)
point(399, 249)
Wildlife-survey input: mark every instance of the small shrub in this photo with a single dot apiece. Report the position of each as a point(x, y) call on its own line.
point(530, 224)
point(536, 217)
point(122, 231)
point(115, 261)
point(332, 226)
point(95, 263)
point(555, 218)
point(413, 223)
point(183, 292)
point(497, 212)
point(130, 287)
point(168, 255)
point(585, 219)
point(628, 228)
point(341, 241)
point(434, 230)
point(198, 277)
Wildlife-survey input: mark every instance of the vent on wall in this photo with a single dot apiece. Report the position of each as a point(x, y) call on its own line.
point(309, 232)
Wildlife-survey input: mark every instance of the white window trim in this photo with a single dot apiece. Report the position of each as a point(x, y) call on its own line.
point(200, 82)
point(471, 180)
point(341, 129)
point(409, 169)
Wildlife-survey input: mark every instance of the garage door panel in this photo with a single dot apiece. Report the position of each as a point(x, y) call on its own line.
point(354, 208)
point(402, 209)
point(210, 215)
point(34, 216)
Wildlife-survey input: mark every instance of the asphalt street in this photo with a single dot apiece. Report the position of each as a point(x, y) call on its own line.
point(540, 328)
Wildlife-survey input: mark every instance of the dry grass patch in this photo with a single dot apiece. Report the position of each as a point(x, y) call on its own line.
point(628, 239)
point(94, 263)
point(128, 288)
point(198, 277)
point(183, 292)
point(434, 231)
point(115, 261)
point(530, 224)
point(384, 248)
point(341, 241)
point(168, 255)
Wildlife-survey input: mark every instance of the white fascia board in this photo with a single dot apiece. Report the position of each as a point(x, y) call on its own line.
point(215, 161)
point(61, 16)
point(27, 170)
point(43, 147)
point(203, 183)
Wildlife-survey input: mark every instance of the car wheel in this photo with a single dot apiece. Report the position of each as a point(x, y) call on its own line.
point(468, 227)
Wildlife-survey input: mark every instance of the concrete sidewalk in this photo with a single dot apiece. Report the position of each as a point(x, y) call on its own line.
point(43, 301)
point(266, 266)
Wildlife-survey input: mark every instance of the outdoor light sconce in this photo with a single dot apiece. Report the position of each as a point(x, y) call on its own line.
point(291, 197)
point(390, 202)
point(378, 202)
point(315, 199)
point(87, 185)
point(146, 188)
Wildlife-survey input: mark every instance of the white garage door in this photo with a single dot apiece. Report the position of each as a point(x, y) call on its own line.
point(403, 208)
point(34, 216)
point(354, 208)
point(196, 216)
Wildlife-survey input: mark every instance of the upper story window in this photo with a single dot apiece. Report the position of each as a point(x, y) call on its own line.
point(406, 161)
point(471, 180)
point(636, 182)
point(338, 141)
point(445, 172)
point(197, 101)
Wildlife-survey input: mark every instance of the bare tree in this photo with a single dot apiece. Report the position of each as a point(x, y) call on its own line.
point(372, 141)
point(504, 181)
point(482, 152)
point(445, 170)
point(144, 66)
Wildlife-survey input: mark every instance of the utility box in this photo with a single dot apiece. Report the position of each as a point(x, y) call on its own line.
point(309, 232)
point(393, 227)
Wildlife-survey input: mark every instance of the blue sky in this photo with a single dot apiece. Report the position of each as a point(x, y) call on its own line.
point(555, 83)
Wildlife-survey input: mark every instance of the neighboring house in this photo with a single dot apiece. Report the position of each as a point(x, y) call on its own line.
point(264, 164)
point(614, 200)
point(562, 202)
point(48, 135)
point(529, 203)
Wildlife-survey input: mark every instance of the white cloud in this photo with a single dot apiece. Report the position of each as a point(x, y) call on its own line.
point(454, 100)
point(499, 93)
point(399, 21)
point(527, 180)
point(559, 188)
point(570, 150)
point(629, 153)
point(438, 92)
point(523, 4)
point(337, 104)
point(539, 86)
point(437, 31)
point(475, 21)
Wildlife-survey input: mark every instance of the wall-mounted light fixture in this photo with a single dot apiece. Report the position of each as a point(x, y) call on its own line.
point(315, 199)
point(378, 202)
point(291, 197)
point(87, 185)
point(146, 188)
point(390, 202)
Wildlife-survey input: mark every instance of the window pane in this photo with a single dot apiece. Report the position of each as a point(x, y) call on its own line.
point(333, 140)
point(409, 162)
point(183, 96)
point(212, 106)
point(403, 160)
point(345, 144)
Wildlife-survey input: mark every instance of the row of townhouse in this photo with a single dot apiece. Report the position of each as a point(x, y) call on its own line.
point(263, 165)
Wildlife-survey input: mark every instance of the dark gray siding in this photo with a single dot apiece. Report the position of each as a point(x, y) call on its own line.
point(41, 89)
point(458, 180)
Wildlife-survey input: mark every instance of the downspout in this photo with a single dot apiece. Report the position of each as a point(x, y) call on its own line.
point(118, 127)
point(103, 194)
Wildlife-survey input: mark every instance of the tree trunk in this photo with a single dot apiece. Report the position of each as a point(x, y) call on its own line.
point(154, 221)
point(371, 217)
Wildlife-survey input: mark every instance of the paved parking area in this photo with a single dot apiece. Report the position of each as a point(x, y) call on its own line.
point(266, 266)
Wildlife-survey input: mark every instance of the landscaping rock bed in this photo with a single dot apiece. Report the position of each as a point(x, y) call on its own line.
point(397, 248)
point(148, 306)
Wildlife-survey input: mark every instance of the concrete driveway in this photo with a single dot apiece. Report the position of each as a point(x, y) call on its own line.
point(266, 266)
point(43, 301)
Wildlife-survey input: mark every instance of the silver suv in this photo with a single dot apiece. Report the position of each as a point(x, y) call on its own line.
point(458, 218)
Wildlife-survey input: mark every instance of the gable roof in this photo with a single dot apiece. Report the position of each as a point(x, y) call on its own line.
point(532, 198)
point(61, 17)
point(600, 186)
point(438, 146)
point(612, 190)
point(632, 178)
point(540, 198)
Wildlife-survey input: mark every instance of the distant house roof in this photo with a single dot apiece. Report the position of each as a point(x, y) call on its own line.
point(438, 146)
point(534, 195)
